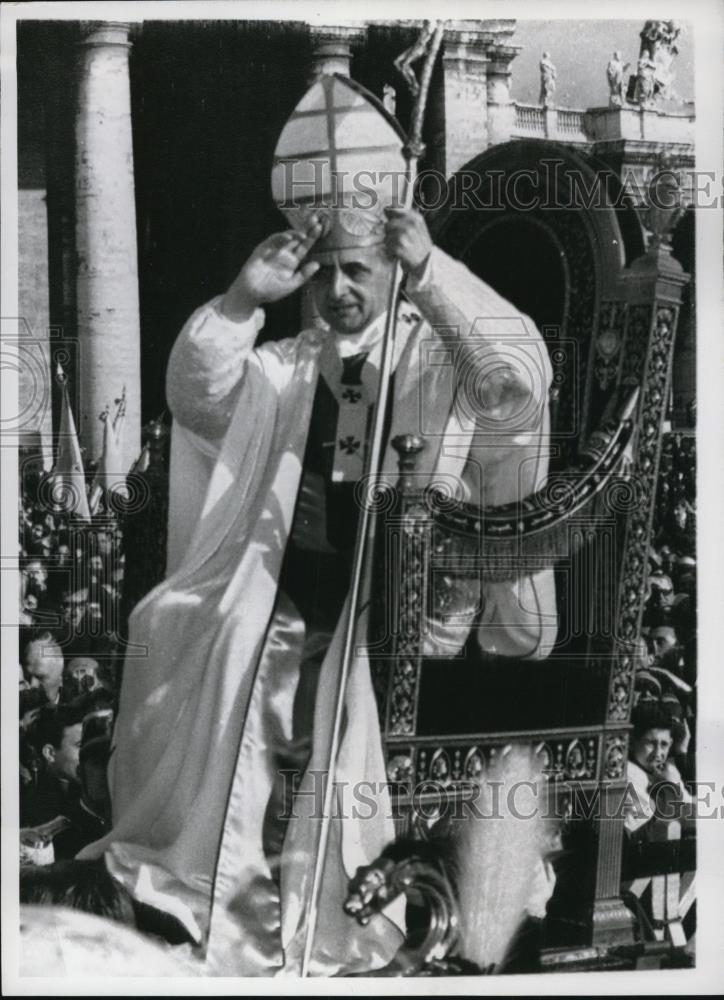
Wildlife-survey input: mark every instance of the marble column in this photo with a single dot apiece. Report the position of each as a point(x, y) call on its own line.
point(35, 424)
point(107, 272)
point(501, 109)
point(458, 105)
point(332, 49)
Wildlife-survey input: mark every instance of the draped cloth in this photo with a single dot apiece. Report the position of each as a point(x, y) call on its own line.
point(194, 762)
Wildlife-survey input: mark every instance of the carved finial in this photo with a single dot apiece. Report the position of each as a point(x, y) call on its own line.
point(665, 203)
point(407, 445)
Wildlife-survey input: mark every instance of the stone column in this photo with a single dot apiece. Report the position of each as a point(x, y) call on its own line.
point(34, 388)
point(107, 275)
point(458, 105)
point(332, 49)
point(501, 109)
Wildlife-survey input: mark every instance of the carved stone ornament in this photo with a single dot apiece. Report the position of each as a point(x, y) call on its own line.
point(638, 528)
point(614, 757)
point(665, 203)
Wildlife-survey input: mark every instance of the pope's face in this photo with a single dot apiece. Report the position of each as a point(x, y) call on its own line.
point(351, 287)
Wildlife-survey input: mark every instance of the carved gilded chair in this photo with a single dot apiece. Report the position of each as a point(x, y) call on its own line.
point(606, 295)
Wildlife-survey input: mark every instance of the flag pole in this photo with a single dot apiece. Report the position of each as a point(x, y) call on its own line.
point(413, 151)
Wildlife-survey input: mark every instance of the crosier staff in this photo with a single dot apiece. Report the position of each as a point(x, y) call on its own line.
point(363, 545)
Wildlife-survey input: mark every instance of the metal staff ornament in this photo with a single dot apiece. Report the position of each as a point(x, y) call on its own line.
point(337, 136)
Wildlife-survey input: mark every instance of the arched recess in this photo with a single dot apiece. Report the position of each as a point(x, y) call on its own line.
point(553, 234)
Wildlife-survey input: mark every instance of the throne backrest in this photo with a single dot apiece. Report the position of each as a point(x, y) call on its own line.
point(609, 329)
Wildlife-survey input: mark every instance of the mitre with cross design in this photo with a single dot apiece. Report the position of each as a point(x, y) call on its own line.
point(340, 156)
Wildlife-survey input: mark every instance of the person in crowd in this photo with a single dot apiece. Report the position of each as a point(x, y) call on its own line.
point(90, 820)
point(82, 674)
point(67, 751)
point(31, 701)
point(74, 607)
point(656, 793)
point(28, 610)
point(662, 638)
point(62, 556)
point(661, 593)
point(35, 574)
point(56, 738)
point(42, 662)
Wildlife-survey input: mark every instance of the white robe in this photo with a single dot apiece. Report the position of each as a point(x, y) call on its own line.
point(192, 767)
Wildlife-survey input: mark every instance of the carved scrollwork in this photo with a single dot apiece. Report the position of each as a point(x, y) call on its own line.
point(576, 760)
point(456, 766)
point(637, 334)
point(608, 344)
point(376, 885)
point(400, 768)
point(639, 520)
point(614, 756)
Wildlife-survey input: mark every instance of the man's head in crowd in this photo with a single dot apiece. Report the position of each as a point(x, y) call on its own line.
point(82, 673)
point(662, 638)
point(41, 541)
point(42, 661)
point(57, 737)
point(96, 566)
point(652, 736)
point(661, 591)
point(28, 609)
point(36, 577)
point(73, 606)
point(685, 575)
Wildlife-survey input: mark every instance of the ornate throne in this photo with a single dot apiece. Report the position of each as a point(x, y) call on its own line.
point(606, 295)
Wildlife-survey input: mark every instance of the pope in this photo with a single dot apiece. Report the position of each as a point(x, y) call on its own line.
point(222, 729)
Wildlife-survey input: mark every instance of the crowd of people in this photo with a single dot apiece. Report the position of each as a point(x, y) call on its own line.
point(661, 765)
point(70, 646)
point(71, 652)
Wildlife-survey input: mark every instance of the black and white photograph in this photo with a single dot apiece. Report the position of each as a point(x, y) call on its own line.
point(362, 385)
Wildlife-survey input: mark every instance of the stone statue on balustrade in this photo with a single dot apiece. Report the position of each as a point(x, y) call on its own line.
point(644, 90)
point(547, 81)
point(615, 76)
point(659, 47)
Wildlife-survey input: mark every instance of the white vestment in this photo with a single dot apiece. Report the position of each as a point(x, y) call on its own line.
point(193, 761)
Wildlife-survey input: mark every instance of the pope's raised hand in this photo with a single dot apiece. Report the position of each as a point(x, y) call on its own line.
point(276, 268)
point(407, 239)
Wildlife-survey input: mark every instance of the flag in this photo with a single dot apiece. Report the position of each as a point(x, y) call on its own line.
point(68, 487)
point(110, 475)
point(119, 421)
